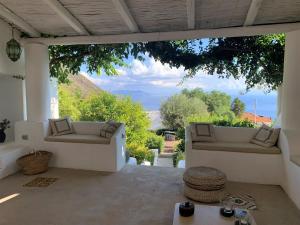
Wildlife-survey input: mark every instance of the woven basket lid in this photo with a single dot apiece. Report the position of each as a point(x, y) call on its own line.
point(204, 176)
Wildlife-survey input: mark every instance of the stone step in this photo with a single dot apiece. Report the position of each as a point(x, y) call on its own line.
point(165, 155)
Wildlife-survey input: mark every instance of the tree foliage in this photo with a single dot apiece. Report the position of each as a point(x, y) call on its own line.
point(198, 106)
point(259, 59)
point(238, 107)
point(176, 109)
point(66, 60)
point(69, 103)
point(217, 102)
point(104, 107)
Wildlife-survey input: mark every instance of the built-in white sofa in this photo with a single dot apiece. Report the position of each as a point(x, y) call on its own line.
point(233, 154)
point(84, 149)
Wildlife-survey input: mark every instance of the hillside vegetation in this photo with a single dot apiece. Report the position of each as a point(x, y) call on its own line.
point(79, 83)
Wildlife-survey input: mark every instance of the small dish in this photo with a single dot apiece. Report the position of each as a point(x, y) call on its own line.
point(226, 213)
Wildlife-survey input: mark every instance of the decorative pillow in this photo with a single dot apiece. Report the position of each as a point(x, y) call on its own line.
point(203, 132)
point(108, 129)
point(266, 136)
point(60, 126)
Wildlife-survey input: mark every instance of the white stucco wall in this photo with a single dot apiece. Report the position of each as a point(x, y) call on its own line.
point(11, 89)
point(290, 111)
point(11, 102)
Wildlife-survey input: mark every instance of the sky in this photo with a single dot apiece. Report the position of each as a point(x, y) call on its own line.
point(153, 79)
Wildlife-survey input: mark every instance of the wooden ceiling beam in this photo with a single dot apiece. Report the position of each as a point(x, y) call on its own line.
point(67, 16)
point(168, 36)
point(126, 15)
point(252, 12)
point(12, 18)
point(190, 6)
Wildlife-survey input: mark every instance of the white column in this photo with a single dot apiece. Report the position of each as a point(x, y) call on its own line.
point(37, 80)
point(291, 83)
point(54, 98)
point(290, 111)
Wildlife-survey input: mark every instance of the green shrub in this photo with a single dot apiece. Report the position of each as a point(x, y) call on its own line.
point(177, 156)
point(155, 142)
point(180, 133)
point(238, 123)
point(226, 120)
point(181, 146)
point(141, 153)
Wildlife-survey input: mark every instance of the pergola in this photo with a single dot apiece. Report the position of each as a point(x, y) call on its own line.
point(117, 21)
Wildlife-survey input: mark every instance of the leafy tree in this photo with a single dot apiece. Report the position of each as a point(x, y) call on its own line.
point(238, 107)
point(218, 102)
point(68, 59)
point(69, 104)
point(105, 106)
point(176, 109)
point(196, 92)
point(259, 59)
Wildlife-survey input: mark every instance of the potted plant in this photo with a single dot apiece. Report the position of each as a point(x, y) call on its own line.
point(3, 126)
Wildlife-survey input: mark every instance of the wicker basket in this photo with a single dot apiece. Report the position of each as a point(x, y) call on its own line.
point(34, 163)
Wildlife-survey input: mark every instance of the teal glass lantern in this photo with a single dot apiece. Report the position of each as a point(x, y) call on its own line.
point(13, 49)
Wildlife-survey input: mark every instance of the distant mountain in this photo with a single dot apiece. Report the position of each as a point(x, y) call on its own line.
point(150, 101)
point(83, 84)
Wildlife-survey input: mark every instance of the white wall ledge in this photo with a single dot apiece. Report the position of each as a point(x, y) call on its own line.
point(295, 159)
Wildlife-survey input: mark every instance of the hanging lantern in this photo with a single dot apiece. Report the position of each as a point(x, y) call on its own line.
point(13, 48)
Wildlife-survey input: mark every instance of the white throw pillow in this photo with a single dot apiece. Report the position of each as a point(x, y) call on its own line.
point(266, 136)
point(203, 132)
point(60, 126)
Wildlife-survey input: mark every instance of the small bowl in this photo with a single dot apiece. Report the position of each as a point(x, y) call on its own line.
point(186, 209)
point(226, 213)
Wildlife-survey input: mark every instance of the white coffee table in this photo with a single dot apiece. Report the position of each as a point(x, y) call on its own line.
point(204, 215)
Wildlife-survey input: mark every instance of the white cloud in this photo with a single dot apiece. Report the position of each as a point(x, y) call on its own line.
point(164, 83)
point(152, 68)
point(152, 74)
point(138, 68)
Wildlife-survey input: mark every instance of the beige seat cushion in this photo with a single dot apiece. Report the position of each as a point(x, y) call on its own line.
point(79, 138)
point(235, 147)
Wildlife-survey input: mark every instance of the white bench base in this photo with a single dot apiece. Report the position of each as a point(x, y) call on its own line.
point(9, 153)
point(240, 167)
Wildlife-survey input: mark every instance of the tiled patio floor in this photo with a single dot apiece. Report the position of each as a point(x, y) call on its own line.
point(136, 195)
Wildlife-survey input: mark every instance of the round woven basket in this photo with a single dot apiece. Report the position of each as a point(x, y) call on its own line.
point(34, 163)
point(204, 196)
point(204, 178)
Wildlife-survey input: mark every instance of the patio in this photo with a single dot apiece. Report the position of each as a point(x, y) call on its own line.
point(135, 195)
